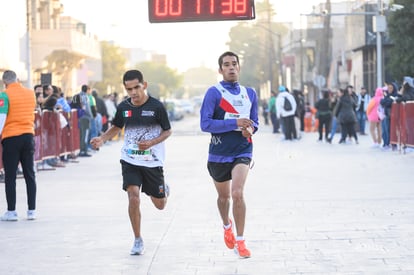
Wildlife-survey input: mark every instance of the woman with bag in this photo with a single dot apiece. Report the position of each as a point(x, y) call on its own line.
point(375, 117)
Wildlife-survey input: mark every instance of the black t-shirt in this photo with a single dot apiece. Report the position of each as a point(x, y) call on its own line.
point(143, 122)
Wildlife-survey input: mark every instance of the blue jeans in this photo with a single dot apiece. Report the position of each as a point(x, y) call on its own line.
point(361, 117)
point(98, 121)
point(385, 124)
point(334, 125)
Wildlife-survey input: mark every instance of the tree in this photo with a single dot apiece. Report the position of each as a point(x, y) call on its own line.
point(198, 79)
point(401, 29)
point(113, 66)
point(61, 63)
point(255, 44)
point(162, 80)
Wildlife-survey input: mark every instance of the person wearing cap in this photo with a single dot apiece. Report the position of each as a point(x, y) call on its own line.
point(272, 111)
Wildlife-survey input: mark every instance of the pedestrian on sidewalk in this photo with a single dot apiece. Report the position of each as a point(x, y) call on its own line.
point(18, 144)
point(324, 115)
point(229, 112)
point(142, 156)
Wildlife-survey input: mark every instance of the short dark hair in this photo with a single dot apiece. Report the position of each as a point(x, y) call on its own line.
point(228, 53)
point(84, 88)
point(131, 75)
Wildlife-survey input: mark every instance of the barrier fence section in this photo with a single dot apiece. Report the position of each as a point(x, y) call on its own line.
point(54, 138)
point(402, 124)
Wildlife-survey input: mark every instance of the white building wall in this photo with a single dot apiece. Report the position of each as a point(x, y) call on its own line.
point(13, 50)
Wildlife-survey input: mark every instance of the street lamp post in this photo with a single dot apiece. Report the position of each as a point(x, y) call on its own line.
point(28, 42)
point(379, 24)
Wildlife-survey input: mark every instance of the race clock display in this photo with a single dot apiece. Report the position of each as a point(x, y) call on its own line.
point(163, 11)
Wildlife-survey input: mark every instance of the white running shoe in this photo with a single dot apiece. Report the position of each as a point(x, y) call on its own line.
point(138, 248)
point(10, 216)
point(31, 215)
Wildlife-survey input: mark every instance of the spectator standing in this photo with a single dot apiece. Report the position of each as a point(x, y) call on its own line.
point(324, 114)
point(374, 119)
point(407, 90)
point(273, 114)
point(265, 111)
point(101, 113)
point(287, 116)
point(345, 113)
point(300, 109)
point(390, 95)
point(61, 103)
point(110, 107)
point(334, 125)
point(50, 103)
point(81, 102)
point(38, 89)
point(362, 104)
point(18, 144)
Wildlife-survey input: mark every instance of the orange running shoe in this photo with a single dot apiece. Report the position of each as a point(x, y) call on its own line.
point(229, 238)
point(241, 249)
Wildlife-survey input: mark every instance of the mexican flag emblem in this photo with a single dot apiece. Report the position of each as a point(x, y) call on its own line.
point(128, 113)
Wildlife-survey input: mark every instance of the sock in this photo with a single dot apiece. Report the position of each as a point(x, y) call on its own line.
point(239, 238)
point(226, 227)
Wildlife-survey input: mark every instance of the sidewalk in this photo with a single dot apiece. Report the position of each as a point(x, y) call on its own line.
point(313, 208)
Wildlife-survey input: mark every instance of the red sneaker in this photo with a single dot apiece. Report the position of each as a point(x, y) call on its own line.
point(229, 238)
point(241, 250)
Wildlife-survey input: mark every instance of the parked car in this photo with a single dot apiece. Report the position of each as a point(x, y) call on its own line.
point(186, 105)
point(174, 110)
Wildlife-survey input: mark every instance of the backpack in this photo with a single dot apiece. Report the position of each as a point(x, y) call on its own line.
point(381, 112)
point(77, 104)
point(287, 106)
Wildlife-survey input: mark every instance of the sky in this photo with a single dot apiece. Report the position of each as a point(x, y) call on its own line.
point(189, 44)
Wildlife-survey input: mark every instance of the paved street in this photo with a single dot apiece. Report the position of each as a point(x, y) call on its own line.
point(313, 208)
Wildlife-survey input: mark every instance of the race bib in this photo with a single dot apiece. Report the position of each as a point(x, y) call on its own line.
point(134, 153)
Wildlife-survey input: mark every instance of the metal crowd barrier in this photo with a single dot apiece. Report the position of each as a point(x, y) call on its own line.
point(402, 125)
point(51, 138)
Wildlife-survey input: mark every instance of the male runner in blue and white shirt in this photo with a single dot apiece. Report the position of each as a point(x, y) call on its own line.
point(229, 113)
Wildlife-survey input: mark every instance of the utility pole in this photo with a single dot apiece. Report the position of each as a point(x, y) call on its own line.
point(379, 42)
point(28, 42)
point(270, 47)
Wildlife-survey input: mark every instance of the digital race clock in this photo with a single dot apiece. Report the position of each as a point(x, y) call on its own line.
point(161, 11)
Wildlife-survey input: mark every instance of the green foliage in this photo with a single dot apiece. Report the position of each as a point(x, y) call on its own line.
point(257, 46)
point(197, 80)
point(163, 82)
point(61, 63)
point(113, 67)
point(401, 28)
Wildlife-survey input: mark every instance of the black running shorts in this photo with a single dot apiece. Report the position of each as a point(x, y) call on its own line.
point(149, 179)
point(221, 171)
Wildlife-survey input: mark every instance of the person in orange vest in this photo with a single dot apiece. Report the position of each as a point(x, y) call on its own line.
point(18, 144)
point(309, 119)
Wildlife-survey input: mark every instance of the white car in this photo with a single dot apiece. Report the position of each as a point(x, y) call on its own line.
point(187, 106)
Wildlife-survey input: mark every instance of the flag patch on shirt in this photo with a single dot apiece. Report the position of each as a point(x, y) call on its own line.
point(128, 113)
